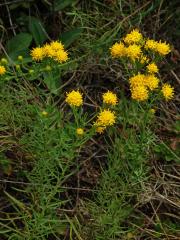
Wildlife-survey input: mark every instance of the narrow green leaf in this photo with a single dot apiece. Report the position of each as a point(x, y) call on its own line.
point(69, 37)
point(37, 30)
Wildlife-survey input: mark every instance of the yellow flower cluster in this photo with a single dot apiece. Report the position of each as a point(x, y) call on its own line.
point(106, 117)
point(2, 70)
point(74, 98)
point(54, 50)
point(138, 49)
point(133, 44)
point(109, 98)
point(160, 47)
point(141, 84)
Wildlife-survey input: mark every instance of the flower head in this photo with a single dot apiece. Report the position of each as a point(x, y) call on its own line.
point(61, 56)
point(2, 70)
point(168, 91)
point(80, 131)
point(118, 50)
point(133, 37)
point(74, 98)
point(133, 51)
point(151, 81)
point(106, 118)
point(48, 50)
point(137, 80)
point(163, 48)
point(37, 54)
point(152, 68)
point(150, 44)
point(139, 93)
point(56, 46)
point(110, 98)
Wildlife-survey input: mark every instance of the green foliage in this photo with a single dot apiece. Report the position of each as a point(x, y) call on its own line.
point(37, 30)
point(69, 37)
point(61, 4)
point(18, 44)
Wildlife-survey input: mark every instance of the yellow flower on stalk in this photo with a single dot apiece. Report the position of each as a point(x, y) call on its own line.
point(118, 50)
point(110, 98)
point(56, 46)
point(152, 68)
point(137, 80)
point(80, 131)
point(2, 70)
point(163, 48)
point(139, 93)
point(151, 81)
point(74, 98)
point(150, 44)
point(168, 91)
point(133, 51)
point(133, 37)
point(61, 56)
point(37, 54)
point(106, 118)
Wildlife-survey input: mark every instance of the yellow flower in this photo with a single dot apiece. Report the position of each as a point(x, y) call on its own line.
point(74, 98)
point(106, 118)
point(168, 91)
point(56, 46)
point(2, 70)
point(152, 68)
point(139, 93)
point(133, 37)
point(61, 56)
point(150, 44)
point(133, 51)
point(44, 113)
point(4, 61)
point(118, 50)
point(80, 131)
point(137, 80)
point(48, 51)
point(163, 48)
point(109, 98)
point(151, 81)
point(37, 54)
